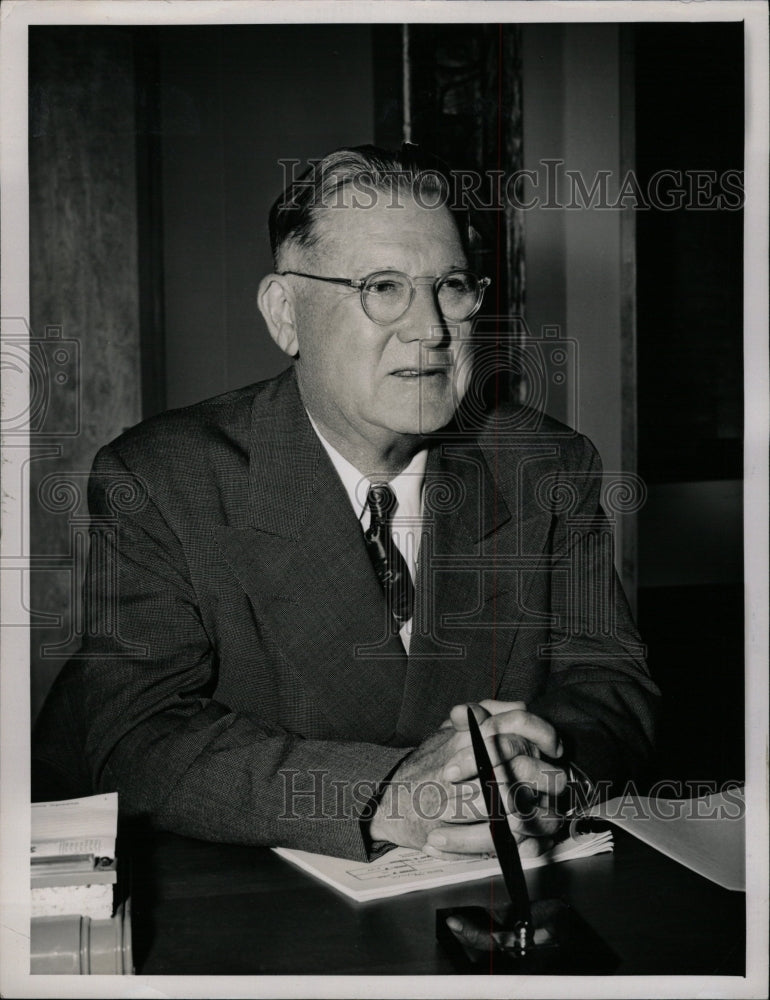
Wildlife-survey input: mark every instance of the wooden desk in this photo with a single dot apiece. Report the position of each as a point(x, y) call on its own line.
point(216, 909)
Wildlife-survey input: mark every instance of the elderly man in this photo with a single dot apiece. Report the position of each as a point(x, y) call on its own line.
point(301, 583)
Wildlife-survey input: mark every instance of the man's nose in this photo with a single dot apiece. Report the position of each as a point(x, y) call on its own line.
point(423, 319)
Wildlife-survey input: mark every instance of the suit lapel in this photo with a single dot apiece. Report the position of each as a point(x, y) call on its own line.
point(472, 582)
point(304, 565)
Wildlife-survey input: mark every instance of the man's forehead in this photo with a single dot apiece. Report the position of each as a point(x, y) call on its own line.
point(361, 221)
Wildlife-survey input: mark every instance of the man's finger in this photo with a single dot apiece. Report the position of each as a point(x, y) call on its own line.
point(482, 710)
point(534, 821)
point(527, 726)
point(533, 837)
point(539, 775)
point(467, 838)
point(465, 804)
point(462, 765)
point(434, 852)
point(533, 847)
point(459, 715)
point(498, 707)
point(529, 847)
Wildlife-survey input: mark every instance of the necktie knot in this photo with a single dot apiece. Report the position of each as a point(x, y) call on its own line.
point(381, 501)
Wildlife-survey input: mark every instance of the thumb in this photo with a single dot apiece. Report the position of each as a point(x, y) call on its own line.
point(459, 715)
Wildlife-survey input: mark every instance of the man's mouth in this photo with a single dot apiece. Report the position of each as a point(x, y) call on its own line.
point(420, 373)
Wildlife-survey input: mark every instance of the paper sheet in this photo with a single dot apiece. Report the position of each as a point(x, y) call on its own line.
point(707, 834)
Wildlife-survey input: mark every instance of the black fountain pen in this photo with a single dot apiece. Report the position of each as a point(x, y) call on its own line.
point(544, 937)
point(506, 848)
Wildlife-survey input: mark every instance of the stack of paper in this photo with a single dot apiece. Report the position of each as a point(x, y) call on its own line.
point(72, 857)
point(406, 870)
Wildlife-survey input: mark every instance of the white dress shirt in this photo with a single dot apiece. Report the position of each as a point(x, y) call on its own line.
point(406, 522)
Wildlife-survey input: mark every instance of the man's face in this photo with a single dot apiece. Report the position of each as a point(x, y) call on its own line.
point(366, 384)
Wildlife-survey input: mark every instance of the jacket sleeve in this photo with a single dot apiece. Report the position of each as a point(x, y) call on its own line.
point(599, 695)
point(153, 729)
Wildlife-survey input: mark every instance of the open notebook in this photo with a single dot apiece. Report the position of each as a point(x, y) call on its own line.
point(406, 870)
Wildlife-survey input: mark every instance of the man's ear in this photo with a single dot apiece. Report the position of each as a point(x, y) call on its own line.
point(275, 299)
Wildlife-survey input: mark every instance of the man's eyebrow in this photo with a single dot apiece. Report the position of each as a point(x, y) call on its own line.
point(456, 266)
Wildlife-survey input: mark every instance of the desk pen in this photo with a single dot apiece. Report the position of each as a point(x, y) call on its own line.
point(504, 841)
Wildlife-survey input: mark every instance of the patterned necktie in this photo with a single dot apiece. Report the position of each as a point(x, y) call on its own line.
point(389, 565)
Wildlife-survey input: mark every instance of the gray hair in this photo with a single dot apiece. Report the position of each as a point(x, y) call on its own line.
point(367, 170)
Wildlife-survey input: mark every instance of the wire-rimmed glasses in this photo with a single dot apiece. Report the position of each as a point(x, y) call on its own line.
point(386, 295)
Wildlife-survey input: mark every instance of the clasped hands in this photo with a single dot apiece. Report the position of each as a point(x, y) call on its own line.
point(434, 800)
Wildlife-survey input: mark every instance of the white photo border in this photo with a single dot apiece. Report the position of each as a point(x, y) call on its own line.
point(15, 18)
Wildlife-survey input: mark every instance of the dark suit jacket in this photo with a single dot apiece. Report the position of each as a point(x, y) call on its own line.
point(241, 681)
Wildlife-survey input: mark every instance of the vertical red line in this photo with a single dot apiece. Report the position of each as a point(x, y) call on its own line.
point(498, 270)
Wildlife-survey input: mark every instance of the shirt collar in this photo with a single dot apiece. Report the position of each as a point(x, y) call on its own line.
point(407, 485)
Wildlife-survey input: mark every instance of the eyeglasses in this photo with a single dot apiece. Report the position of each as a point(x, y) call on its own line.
point(386, 295)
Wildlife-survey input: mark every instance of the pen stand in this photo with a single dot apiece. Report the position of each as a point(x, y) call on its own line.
point(559, 942)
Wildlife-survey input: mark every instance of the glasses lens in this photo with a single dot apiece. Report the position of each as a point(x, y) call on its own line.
point(459, 294)
point(386, 296)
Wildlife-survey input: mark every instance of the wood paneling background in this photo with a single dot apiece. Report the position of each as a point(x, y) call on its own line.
point(84, 295)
